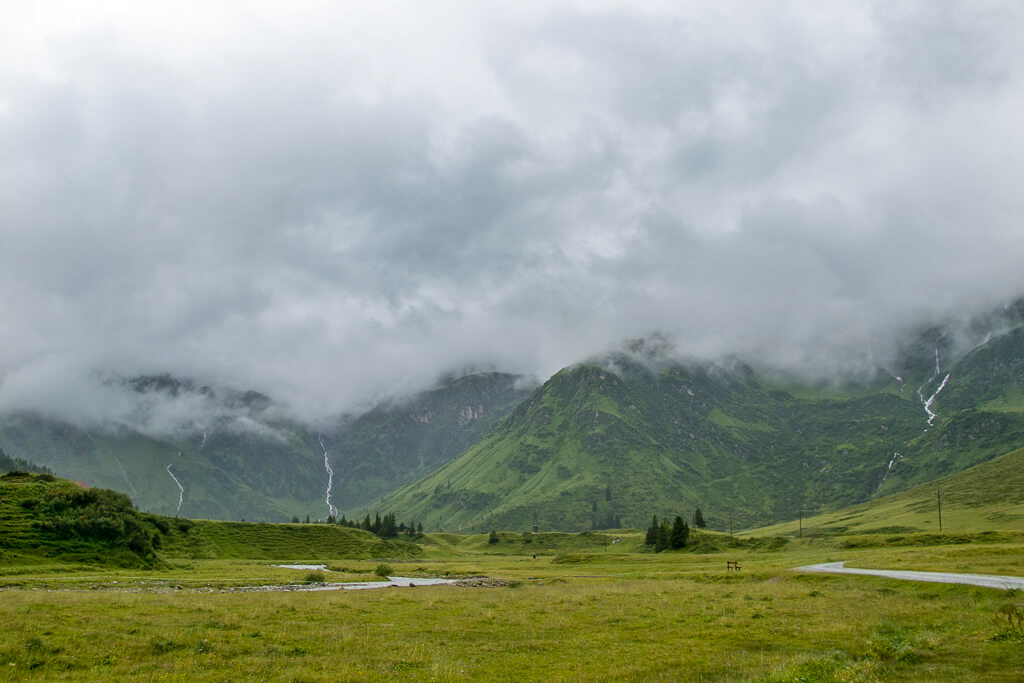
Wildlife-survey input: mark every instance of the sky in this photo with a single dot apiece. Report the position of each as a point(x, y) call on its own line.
point(337, 202)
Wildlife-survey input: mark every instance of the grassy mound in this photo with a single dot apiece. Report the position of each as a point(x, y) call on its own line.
point(210, 539)
point(43, 517)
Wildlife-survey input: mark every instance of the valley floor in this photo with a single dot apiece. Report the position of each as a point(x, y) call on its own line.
point(589, 614)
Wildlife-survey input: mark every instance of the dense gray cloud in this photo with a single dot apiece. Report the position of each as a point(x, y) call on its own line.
point(336, 205)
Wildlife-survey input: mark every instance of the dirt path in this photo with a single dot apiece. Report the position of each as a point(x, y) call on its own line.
point(984, 580)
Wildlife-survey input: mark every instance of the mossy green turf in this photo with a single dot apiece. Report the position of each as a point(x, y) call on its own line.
point(210, 539)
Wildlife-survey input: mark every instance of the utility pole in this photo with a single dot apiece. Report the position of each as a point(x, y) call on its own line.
point(801, 534)
point(938, 496)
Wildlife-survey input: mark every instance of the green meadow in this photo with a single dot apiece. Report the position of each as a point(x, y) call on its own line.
point(590, 606)
point(588, 614)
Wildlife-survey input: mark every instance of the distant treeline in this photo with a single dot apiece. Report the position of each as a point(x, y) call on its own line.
point(385, 527)
point(9, 464)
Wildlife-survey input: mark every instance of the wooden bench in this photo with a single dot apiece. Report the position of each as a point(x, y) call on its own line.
point(732, 564)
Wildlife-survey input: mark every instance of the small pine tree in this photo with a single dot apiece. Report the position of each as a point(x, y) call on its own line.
point(652, 532)
point(419, 529)
point(680, 532)
point(698, 519)
point(307, 519)
point(295, 519)
point(493, 538)
point(664, 536)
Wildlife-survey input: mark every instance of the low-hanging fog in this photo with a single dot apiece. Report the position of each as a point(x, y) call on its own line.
point(333, 203)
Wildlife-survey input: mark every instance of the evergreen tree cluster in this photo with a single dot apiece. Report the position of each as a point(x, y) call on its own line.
point(9, 464)
point(385, 527)
point(664, 535)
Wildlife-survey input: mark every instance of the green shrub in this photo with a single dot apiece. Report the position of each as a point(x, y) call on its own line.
point(383, 570)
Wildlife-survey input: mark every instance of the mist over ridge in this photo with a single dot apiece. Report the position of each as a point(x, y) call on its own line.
point(336, 208)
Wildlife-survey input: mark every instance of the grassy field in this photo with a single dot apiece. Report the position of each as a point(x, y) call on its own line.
point(591, 606)
point(576, 613)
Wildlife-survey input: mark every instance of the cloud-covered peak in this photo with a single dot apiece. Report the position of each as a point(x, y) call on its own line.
point(337, 205)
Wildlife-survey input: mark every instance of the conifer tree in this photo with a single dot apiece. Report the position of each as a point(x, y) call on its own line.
point(680, 532)
point(652, 532)
point(698, 519)
point(664, 535)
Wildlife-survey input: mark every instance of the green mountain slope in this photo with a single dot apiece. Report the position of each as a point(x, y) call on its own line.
point(610, 443)
point(986, 497)
point(251, 465)
point(597, 448)
point(400, 442)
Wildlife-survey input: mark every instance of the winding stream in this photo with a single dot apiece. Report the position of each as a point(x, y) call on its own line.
point(392, 581)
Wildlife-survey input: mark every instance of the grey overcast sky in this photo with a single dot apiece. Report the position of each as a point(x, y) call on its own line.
point(332, 202)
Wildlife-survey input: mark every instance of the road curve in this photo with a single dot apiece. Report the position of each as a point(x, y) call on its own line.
point(984, 580)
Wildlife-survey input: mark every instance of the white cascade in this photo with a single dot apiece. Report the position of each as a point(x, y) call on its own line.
point(927, 402)
point(331, 510)
point(181, 489)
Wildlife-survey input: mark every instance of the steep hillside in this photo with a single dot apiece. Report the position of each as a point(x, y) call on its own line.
point(610, 443)
point(399, 443)
point(596, 448)
point(238, 471)
point(246, 463)
point(986, 497)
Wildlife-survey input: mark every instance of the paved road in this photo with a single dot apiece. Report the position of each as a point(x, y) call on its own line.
point(985, 580)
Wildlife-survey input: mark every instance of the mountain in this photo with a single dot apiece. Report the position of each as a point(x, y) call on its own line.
point(400, 442)
point(237, 458)
point(603, 443)
point(610, 442)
